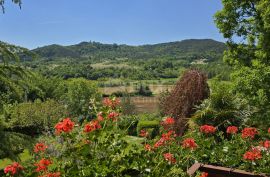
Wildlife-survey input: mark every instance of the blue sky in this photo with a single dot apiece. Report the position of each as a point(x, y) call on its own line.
point(133, 22)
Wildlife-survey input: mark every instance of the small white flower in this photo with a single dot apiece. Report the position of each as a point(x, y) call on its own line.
point(148, 170)
point(225, 149)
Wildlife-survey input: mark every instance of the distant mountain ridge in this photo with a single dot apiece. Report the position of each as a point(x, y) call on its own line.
point(190, 48)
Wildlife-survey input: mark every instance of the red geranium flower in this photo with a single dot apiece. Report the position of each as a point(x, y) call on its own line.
point(252, 155)
point(42, 165)
point(65, 126)
point(232, 130)
point(40, 147)
point(100, 117)
point(169, 157)
point(268, 130)
point(189, 143)
point(144, 133)
point(266, 144)
point(159, 143)
point(165, 137)
point(113, 116)
point(147, 147)
point(13, 168)
point(207, 129)
point(249, 132)
point(169, 121)
point(112, 103)
point(92, 126)
point(204, 174)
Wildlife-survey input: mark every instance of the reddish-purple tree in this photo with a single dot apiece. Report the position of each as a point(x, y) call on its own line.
point(189, 91)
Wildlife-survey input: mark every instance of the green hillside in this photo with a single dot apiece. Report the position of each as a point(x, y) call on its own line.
point(186, 49)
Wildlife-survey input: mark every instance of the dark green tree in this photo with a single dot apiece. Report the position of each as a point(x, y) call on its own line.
point(246, 26)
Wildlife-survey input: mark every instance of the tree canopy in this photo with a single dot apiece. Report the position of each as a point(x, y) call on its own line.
point(246, 25)
point(2, 3)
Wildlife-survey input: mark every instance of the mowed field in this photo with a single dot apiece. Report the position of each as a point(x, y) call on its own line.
point(145, 104)
point(155, 88)
point(142, 104)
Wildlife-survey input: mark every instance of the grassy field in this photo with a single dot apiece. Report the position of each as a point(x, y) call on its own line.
point(156, 89)
point(145, 104)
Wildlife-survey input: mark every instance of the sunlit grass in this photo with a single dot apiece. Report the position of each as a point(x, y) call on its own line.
point(24, 156)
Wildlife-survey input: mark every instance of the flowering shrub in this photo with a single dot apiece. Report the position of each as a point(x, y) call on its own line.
point(13, 169)
point(101, 148)
point(249, 132)
point(65, 126)
point(252, 155)
point(232, 130)
point(189, 143)
point(207, 129)
point(40, 147)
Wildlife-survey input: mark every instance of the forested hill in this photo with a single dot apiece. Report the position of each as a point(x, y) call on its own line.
point(191, 49)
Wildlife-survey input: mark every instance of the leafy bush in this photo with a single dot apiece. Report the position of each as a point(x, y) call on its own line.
point(129, 123)
point(222, 108)
point(112, 154)
point(34, 117)
point(76, 94)
point(253, 84)
point(151, 126)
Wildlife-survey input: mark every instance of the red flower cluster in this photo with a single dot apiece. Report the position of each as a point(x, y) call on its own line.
point(42, 165)
point(169, 157)
point(268, 130)
point(252, 155)
point(204, 174)
point(189, 143)
point(144, 133)
point(113, 116)
point(165, 138)
point(266, 144)
point(40, 147)
point(112, 103)
point(13, 168)
point(169, 121)
point(207, 129)
point(232, 130)
point(65, 126)
point(56, 174)
point(92, 126)
point(147, 147)
point(249, 132)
